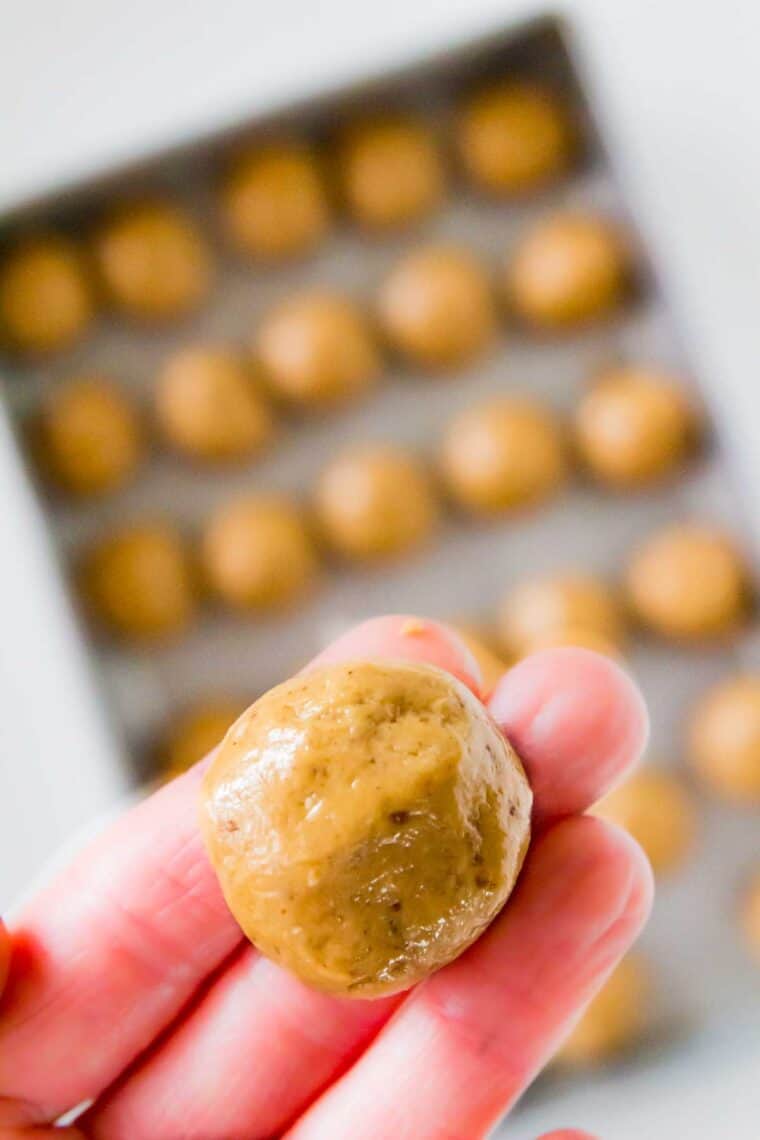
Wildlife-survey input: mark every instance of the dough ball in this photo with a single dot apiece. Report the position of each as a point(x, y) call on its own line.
point(436, 307)
point(512, 137)
point(633, 427)
point(503, 454)
point(654, 807)
point(46, 301)
point(138, 583)
point(375, 501)
point(198, 730)
point(209, 406)
point(724, 738)
point(273, 202)
point(89, 436)
point(366, 820)
point(688, 583)
point(258, 554)
point(317, 349)
point(492, 667)
point(153, 261)
point(570, 269)
point(614, 1020)
point(390, 172)
point(569, 609)
point(750, 916)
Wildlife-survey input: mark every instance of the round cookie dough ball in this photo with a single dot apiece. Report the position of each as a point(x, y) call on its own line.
point(634, 426)
point(390, 172)
point(688, 583)
point(436, 307)
point(89, 436)
point(274, 204)
point(503, 454)
point(258, 554)
point(570, 269)
point(153, 261)
point(614, 1020)
point(46, 301)
point(209, 406)
point(196, 732)
point(750, 916)
point(317, 349)
point(138, 583)
point(492, 667)
point(366, 820)
point(375, 501)
point(513, 137)
point(544, 612)
point(724, 739)
point(654, 807)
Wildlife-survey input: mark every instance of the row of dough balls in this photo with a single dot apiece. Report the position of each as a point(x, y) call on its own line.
point(437, 307)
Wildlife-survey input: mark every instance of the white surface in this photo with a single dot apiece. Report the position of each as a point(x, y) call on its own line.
point(89, 83)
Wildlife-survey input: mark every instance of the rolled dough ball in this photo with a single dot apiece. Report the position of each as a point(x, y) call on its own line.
point(153, 261)
point(654, 807)
point(492, 667)
point(274, 204)
point(750, 916)
point(209, 406)
point(538, 613)
point(46, 301)
point(503, 454)
point(196, 732)
point(375, 501)
point(724, 738)
point(688, 583)
point(614, 1020)
point(257, 553)
point(317, 349)
point(513, 136)
point(436, 307)
point(576, 637)
point(367, 820)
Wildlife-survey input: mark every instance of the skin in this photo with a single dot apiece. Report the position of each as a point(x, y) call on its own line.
point(200, 1037)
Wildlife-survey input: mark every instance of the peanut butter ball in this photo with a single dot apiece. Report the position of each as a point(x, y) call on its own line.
point(375, 501)
point(274, 204)
point(503, 454)
point(492, 667)
point(750, 916)
point(634, 426)
point(688, 583)
point(209, 406)
point(196, 732)
point(576, 637)
point(614, 1020)
point(257, 553)
point(569, 270)
point(317, 349)
point(390, 172)
point(513, 137)
point(46, 302)
point(654, 807)
point(724, 739)
point(538, 612)
point(436, 307)
point(367, 820)
point(88, 436)
point(138, 583)
point(153, 261)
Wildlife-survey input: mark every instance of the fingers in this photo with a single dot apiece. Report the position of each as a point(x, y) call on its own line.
point(5, 953)
point(577, 721)
point(467, 1042)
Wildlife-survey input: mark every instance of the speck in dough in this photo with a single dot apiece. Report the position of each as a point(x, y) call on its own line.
point(46, 301)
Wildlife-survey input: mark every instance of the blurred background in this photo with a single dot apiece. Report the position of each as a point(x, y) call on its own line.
point(633, 335)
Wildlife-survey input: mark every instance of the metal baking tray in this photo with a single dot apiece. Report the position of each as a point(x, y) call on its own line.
point(703, 975)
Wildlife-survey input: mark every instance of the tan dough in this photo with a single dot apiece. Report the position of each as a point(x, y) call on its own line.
point(273, 202)
point(492, 667)
point(654, 807)
point(513, 137)
point(317, 349)
point(633, 427)
point(724, 738)
point(390, 172)
point(209, 406)
point(750, 916)
point(367, 820)
point(153, 262)
point(436, 307)
point(89, 436)
point(46, 301)
point(567, 609)
point(257, 553)
point(688, 583)
point(568, 270)
point(196, 732)
point(615, 1019)
point(503, 454)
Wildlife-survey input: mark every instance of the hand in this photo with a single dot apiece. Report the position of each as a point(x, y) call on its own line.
point(129, 984)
